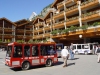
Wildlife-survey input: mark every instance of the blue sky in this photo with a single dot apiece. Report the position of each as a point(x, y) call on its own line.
point(15, 10)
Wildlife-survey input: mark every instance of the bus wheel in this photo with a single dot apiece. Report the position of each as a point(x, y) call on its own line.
point(85, 52)
point(25, 66)
point(49, 63)
point(76, 52)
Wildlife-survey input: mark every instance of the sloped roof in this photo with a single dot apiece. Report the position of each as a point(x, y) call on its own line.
point(24, 23)
point(47, 14)
point(8, 21)
point(37, 20)
point(21, 21)
point(55, 2)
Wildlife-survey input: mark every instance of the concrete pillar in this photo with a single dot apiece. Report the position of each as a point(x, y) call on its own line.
point(64, 14)
point(79, 8)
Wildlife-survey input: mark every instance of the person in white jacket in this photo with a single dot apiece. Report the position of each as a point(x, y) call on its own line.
point(65, 55)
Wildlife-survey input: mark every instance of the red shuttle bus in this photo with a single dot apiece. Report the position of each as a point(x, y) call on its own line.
point(27, 55)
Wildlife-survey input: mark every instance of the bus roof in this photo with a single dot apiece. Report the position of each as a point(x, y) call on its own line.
point(86, 44)
point(15, 43)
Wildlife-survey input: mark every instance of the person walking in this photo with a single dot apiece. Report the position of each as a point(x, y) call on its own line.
point(65, 55)
point(98, 54)
point(94, 49)
point(71, 52)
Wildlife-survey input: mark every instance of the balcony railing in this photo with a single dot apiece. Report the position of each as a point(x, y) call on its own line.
point(39, 24)
point(29, 37)
point(20, 36)
point(60, 14)
point(40, 36)
point(59, 24)
point(29, 31)
point(8, 35)
point(72, 9)
point(89, 3)
point(67, 2)
point(47, 28)
point(35, 31)
point(91, 15)
point(72, 21)
point(20, 31)
point(40, 30)
point(8, 29)
point(59, 5)
point(47, 34)
point(47, 20)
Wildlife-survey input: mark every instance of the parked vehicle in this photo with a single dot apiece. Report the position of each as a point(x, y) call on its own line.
point(27, 55)
point(83, 48)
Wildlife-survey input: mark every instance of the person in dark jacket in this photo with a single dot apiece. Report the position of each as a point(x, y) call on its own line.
point(98, 54)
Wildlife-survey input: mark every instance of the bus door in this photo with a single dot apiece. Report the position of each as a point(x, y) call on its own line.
point(35, 55)
point(27, 53)
point(47, 52)
point(17, 55)
point(8, 56)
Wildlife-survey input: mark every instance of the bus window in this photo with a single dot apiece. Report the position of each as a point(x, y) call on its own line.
point(35, 51)
point(17, 51)
point(74, 47)
point(9, 51)
point(47, 50)
point(86, 46)
point(26, 51)
point(43, 50)
point(51, 50)
point(79, 47)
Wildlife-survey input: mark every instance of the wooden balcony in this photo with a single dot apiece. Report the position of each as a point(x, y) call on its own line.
point(40, 36)
point(59, 15)
point(72, 10)
point(59, 25)
point(48, 20)
point(28, 37)
point(40, 30)
point(19, 36)
point(35, 31)
point(8, 30)
point(35, 37)
point(1, 30)
point(72, 21)
point(56, 36)
point(89, 32)
point(8, 36)
point(47, 28)
point(47, 34)
point(29, 31)
point(39, 24)
point(67, 2)
point(94, 15)
point(60, 5)
point(20, 31)
point(89, 4)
